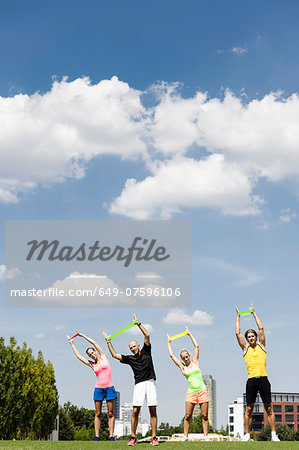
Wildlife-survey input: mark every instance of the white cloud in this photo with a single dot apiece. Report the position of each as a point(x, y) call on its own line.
point(135, 330)
point(286, 215)
point(59, 327)
point(61, 130)
point(239, 50)
point(235, 143)
point(246, 277)
point(179, 316)
point(40, 335)
point(6, 273)
point(185, 182)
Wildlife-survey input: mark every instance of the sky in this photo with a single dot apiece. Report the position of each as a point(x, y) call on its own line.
point(168, 111)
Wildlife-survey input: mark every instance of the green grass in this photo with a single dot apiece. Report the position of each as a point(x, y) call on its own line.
point(84, 445)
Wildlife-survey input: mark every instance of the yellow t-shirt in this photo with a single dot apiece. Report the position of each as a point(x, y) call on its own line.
point(255, 360)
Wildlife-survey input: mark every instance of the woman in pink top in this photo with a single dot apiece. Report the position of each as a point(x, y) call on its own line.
point(104, 388)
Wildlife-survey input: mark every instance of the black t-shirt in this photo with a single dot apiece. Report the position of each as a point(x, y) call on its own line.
point(141, 364)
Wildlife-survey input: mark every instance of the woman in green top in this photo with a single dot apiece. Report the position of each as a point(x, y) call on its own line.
point(197, 391)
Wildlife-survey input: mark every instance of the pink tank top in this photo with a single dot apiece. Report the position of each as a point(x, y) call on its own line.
point(103, 373)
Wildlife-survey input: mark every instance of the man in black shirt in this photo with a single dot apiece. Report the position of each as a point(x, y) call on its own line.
point(144, 375)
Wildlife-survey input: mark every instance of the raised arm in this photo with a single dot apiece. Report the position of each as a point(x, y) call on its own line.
point(80, 357)
point(196, 347)
point(261, 333)
point(174, 359)
point(111, 348)
point(239, 336)
point(92, 342)
point(143, 330)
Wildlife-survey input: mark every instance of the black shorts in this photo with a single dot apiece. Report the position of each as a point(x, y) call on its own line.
point(255, 385)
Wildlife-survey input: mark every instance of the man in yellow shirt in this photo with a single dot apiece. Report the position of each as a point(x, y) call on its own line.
point(255, 357)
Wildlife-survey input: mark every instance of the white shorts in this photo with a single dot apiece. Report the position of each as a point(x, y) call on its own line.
point(145, 389)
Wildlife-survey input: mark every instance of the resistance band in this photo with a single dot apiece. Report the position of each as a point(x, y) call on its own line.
point(245, 313)
point(69, 338)
point(171, 338)
point(108, 338)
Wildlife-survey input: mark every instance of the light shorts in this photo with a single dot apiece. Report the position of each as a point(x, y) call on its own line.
point(145, 389)
point(197, 397)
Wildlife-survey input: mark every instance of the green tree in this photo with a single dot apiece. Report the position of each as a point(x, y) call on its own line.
point(28, 396)
point(66, 426)
point(285, 433)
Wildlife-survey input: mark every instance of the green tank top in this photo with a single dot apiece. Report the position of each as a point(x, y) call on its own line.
point(194, 378)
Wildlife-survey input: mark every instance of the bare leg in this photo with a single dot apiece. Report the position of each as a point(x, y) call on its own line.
point(248, 417)
point(134, 419)
point(153, 414)
point(188, 416)
point(97, 417)
point(271, 418)
point(111, 418)
point(205, 419)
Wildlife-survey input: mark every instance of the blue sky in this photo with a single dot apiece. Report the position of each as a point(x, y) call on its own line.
point(203, 116)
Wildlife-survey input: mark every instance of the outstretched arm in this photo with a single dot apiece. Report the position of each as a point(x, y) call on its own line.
point(111, 348)
point(239, 336)
point(80, 357)
point(92, 342)
point(261, 333)
point(174, 359)
point(196, 347)
point(143, 330)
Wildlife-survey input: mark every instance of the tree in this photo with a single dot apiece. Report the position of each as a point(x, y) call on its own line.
point(66, 426)
point(282, 430)
point(28, 395)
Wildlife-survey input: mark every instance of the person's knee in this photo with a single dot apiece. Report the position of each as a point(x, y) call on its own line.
point(135, 412)
point(98, 414)
point(110, 414)
point(188, 417)
point(249, 410)
point(205, 417)
point(268, 408)
point(153, 411)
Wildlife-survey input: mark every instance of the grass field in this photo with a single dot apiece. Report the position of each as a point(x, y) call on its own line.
point(84, 445)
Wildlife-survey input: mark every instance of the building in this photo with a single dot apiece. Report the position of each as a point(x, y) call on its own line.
point(236, 417)
point(211, 387)
point(285, 407)
point(116, 406)
point(126, 412)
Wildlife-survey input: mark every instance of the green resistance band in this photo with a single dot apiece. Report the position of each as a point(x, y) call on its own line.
point(245, 313)
point(108, 338)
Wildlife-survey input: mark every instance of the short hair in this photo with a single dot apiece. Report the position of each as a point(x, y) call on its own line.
point(250, 331)
point(90, 348)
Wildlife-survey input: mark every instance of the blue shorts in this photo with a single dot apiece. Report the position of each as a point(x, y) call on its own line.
point(107, 393)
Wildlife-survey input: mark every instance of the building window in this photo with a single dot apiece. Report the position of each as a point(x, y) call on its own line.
point(289, 408)
point(277, 408)
point(273, 398)
point(231, 419)
point(289, 417)
point(298, 408)
point(257, 418)
point(278, 417)
point(231, 428)
point(291, 426)
point(231, 410)
point(297, 418)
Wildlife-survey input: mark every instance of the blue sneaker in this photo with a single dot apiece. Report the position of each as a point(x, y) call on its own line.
point(112, 438)
point(96, 438)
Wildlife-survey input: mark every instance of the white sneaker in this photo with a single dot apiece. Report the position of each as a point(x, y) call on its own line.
point(275, 438)
point(206, 439)
point(246, 437)
point(184, 438)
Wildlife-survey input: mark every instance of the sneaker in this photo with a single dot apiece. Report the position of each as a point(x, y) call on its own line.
point(206, 439)
point(246, 437)
point(96, 438)
point(132, 441)
point(275, 438)
point(112, 438)
point(184, 438)
point(154, 441)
